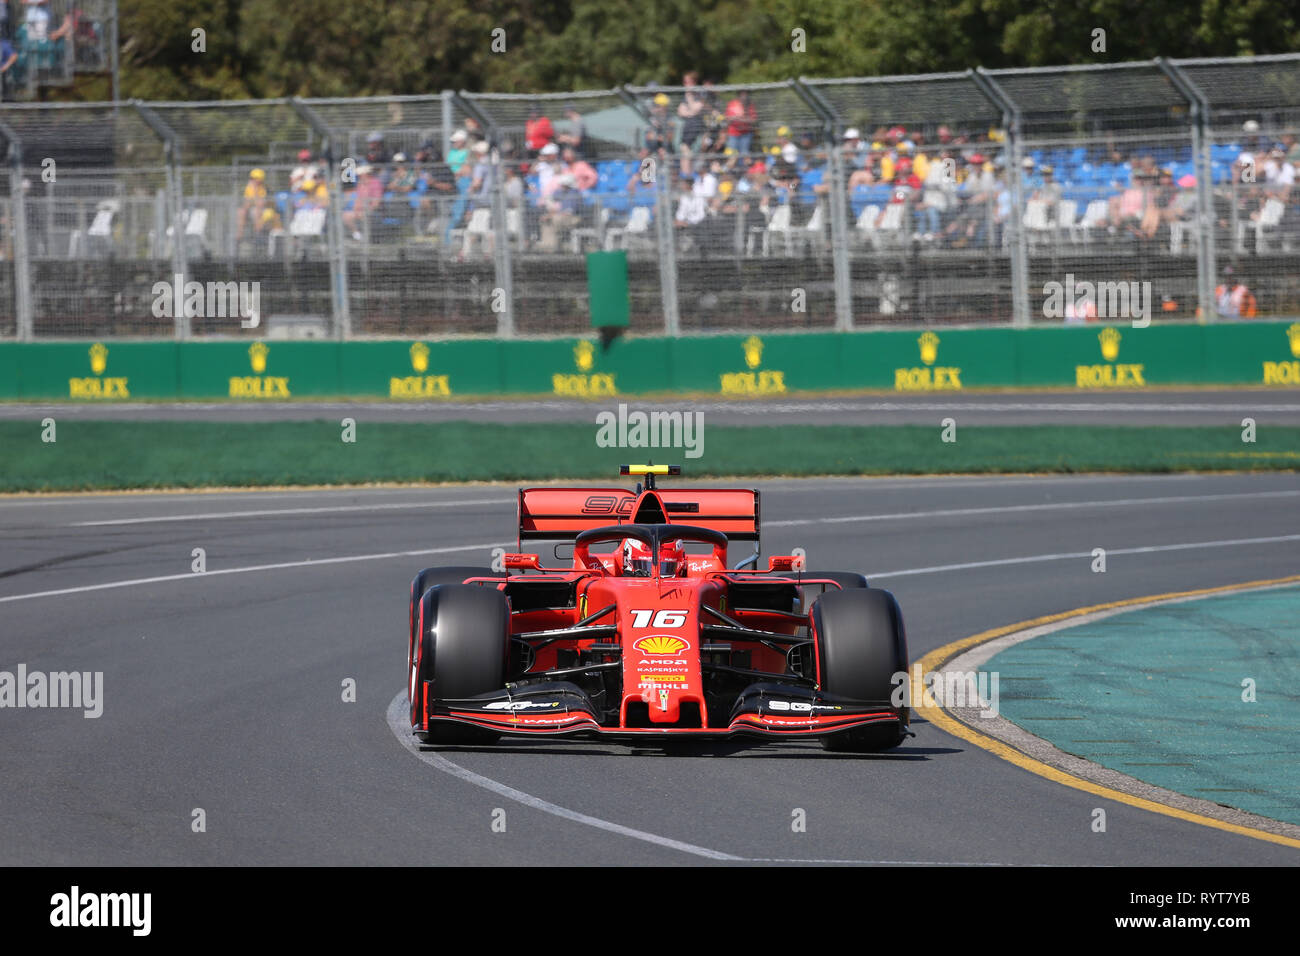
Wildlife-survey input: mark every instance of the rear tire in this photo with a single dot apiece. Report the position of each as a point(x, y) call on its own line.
point(464, 635)
point(861, 644)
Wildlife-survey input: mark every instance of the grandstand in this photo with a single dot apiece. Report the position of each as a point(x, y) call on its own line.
point(812, 203)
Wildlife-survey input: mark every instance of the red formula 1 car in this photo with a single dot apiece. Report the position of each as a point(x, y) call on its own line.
point(648, 633)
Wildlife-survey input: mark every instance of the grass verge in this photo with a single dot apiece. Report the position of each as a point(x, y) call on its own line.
point(89, 455)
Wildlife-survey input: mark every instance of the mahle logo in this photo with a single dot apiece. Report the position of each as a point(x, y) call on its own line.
point(755, 381)
point(97, 386)
point(586, 383)
point(259, 385)
point(928, 377)
point(1130, 375)
point(421, 385)
point(1285, 373)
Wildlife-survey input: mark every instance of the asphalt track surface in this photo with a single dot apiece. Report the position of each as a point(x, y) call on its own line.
point(1147, 407)
point(222, 691)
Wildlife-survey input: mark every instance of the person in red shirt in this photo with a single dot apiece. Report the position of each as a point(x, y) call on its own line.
point(742, 117)
point(537, 131)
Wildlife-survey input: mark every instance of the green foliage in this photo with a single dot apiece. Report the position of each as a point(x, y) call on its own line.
point(298, 47)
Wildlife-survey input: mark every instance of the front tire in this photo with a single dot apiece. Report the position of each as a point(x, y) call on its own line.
point(431, 577)
point(464, 633)
point(861, 645)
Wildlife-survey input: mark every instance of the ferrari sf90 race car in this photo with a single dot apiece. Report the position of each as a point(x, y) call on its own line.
point(648, 631)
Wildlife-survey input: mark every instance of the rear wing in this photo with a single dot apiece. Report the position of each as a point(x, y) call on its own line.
point(559, 513)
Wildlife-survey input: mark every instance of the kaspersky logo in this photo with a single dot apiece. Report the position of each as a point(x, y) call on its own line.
point(1110, 375)
point(97, 386)
point(1285, 373)
point(419, 385)
point(755, 381)
point(259, 385)
point(662, 644)
point(925, 378)
point(584, 384)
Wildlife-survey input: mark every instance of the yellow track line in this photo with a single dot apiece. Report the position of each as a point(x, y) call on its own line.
point(941, 718)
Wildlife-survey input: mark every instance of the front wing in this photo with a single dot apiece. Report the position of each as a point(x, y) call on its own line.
point(558, 708)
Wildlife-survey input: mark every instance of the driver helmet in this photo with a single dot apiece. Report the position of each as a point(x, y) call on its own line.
point(637, 560)
point(672, 558)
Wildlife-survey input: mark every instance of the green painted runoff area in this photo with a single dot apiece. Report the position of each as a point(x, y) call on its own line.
point(1157, 693)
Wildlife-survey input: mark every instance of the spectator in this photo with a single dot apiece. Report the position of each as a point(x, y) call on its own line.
point(574, 136)
point(561, 212)
point(691, 111)
point(483, 178)
point(8, 58)
point(254, 201)
point(853, 148)
point(584, 175)
point(403, 179)
point(1233, 300)
point(538, 131)
point(546, 169)
point(692, 209)
point(376, 154)
point(440, 184)
point(366, 199)
point(474, 131)
point(458, 155)
point(304, 170)
point(742, 118)
point(659, 134)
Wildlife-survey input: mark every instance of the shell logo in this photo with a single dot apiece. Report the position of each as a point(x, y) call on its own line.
point(662, 644)
point(420, 357)
point(753, 348)
point(1293, 334)
point(257, 357)
point(1109, 339)
point(98, 358)
point(929, 343)
point(584, 355)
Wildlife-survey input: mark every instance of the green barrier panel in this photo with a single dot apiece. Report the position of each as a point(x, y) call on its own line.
point(584, 368)
point(1261, 353)
point(421, 369)
point(96, 371)
point(258, 371)
point(930, 361)
point(757, 365)
point(9, 353)
point(607, 287)
point(1098, 356)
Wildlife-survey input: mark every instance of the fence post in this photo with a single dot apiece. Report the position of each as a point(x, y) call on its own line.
point(340, 305)
point(665, 239)
point(1017, 240)
point(839, 207)
point(1206, 268)
point(171, 151)
point(23, 324)
point(502, 266)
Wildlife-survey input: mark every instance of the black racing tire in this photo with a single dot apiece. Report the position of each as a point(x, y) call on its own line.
point(861, 644)
point(430, 577)
point(464, 634)
point(847, 580)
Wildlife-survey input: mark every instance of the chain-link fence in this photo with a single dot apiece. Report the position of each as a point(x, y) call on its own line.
point(1054, 195)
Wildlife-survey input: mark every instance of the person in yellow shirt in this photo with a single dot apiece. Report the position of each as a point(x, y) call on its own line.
point(254, 202)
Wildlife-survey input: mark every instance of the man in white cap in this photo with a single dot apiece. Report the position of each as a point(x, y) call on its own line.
point(853, 147)
point(459, 152)
point(546, 167)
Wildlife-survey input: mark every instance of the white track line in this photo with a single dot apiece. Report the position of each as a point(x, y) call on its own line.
point(1031, 559)
point(399, 723)
point(275, 512)
point(1051, 506)
point(309, 563)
